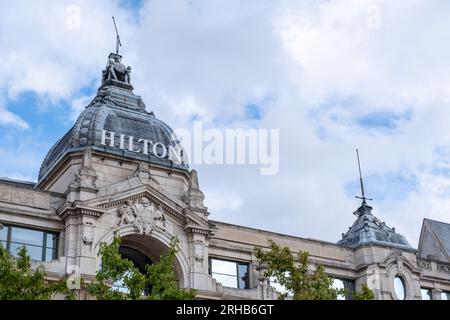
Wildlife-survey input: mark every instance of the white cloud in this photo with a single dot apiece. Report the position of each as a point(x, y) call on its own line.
point(78, 105)
point(320, 63)
point(10, 119)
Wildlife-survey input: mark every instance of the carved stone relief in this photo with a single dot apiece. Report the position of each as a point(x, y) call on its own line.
point(143, 215)
point(199, 250)
point(88, 232)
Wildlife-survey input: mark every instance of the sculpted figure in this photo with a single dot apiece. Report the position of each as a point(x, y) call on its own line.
point(110, 73)
point(127, 214)
point(128, 75)
point(159, 219)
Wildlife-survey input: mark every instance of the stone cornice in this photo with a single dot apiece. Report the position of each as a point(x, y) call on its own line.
point(197, 229)
point(76, 210)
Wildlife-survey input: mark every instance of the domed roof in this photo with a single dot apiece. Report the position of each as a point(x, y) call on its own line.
point(117, 111)
point(369, 229)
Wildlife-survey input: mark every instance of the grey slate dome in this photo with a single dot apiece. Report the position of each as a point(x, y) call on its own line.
point(114, 109)
point(369, 229)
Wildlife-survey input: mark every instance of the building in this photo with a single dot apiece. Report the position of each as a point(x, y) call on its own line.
point(119, 169)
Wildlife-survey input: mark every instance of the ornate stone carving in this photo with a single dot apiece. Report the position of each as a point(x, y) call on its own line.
point(143, 215)
point(24, 197)
point(88, 232)
point(199, 250)
point(443, 268)
point(424, 264)
point(104, 96)
point(142, 171)
point(115, 70)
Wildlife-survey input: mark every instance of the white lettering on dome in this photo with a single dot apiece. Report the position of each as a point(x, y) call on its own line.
point(143, 146)
point(163, 147)
point(110, 138)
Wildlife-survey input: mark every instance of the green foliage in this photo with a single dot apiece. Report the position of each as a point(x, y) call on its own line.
point(160, 276)
point(19, 282)
point(291, 271)
point(364, 294)
point(116, 269)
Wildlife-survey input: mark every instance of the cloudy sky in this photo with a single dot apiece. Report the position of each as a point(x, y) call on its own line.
point(332, 76)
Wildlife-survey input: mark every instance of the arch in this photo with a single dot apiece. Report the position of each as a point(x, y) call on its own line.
point(152, 246)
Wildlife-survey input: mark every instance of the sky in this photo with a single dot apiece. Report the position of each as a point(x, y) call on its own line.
point(331, 76)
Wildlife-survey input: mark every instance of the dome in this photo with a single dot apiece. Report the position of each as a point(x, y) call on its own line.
point(369, 229)
point(114, 117)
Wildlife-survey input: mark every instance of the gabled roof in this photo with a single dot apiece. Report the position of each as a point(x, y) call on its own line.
point(434, 242)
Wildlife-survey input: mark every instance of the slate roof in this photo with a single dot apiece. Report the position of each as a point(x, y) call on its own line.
point(434, 240)
point(369, 229)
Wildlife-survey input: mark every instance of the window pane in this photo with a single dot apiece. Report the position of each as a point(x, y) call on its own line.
point(225, 267)
point(27, 236)
point(243, 275)
point(3, 233)
point(243, 282)
point(3, 243)
point(426, 294)
point(445, 295)
point(399, 288)
point(243, 269)
point(51, 240)
point(50, 254)
point(226, 281)
point(34, 252)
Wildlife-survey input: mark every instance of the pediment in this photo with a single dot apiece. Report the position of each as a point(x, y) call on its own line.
point(156, 196)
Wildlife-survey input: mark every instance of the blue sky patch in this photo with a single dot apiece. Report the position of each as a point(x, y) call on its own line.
point(383, 119)
point(253, 111)
point(389, 186)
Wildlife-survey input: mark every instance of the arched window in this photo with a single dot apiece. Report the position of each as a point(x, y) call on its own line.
point(399, 287)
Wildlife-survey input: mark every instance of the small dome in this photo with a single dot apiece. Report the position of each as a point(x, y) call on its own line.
point(369, 229)
point(117, 111)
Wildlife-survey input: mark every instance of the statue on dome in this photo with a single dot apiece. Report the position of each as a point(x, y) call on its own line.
point(115, 70)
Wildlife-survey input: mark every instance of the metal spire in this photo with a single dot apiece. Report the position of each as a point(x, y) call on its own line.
point(363, 196)
point(118, 43)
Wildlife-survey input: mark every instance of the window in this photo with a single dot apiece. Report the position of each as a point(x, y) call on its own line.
point(445, 295)
point(425, 293)
point(229, 273)
point(346, 284)
point(399, 288)
point(40, 245)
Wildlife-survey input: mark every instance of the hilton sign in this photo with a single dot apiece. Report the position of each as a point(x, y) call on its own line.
point(144, 146)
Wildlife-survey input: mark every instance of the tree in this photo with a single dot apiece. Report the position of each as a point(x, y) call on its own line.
point(19, 282)
point(364, 294)
point(292, 272)
point(160, 276)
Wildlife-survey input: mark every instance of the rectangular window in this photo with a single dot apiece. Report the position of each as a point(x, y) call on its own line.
point(425, 293)
point(230, 273)
point(445, 295)
point(40, 245)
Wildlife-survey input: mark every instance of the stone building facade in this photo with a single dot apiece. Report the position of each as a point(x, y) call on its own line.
point(120, 169)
